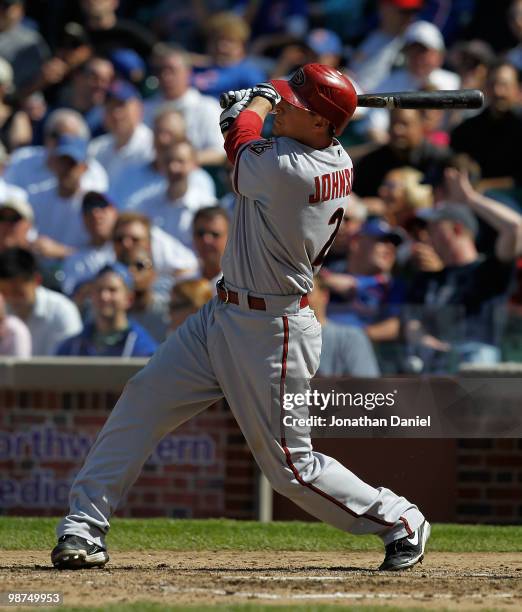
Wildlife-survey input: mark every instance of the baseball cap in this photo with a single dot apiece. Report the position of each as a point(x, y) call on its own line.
point(119, 269)
point(94, 199)
point(426, 34)
point(122, 91)
point(406, 5)
point(382, 230)
point(74, 147)
point(128, 64)
point(22, 207)
point(450, 211)
point(323, 42)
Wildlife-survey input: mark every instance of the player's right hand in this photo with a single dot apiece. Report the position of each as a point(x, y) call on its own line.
point(268, 92)
point(242, 97)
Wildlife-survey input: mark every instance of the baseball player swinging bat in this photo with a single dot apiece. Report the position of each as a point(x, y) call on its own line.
point(464, 98)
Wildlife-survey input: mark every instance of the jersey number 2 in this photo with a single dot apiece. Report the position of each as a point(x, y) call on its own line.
point(336, 218)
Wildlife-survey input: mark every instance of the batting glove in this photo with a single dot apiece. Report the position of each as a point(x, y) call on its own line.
point(242, 97)
point(267, 91)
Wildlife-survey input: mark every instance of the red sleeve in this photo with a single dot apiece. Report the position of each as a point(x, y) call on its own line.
point(246, 127)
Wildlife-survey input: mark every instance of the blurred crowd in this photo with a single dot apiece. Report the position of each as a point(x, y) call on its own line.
point(116, 198)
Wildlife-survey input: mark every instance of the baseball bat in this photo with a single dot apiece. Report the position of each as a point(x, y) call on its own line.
point(460, 98)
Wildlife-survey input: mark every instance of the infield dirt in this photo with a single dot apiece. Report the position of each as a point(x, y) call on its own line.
point(467, 581)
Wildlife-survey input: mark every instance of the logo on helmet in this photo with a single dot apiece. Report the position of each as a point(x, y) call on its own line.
point(298, 78)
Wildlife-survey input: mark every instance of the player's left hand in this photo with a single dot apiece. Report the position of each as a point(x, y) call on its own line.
point(242, 97)
point(267, 91)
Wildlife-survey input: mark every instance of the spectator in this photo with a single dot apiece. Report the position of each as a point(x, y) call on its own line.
point(227, 66)
point(174, 210)
point(87, 91)
point(327, 46)
point(15, 337)
point(113, 237)
point(31, 167)
point(22, 47)
point(15, 127)
point(107, 32)
point(210, 234)
point(424, 50)
point(129, 141)
point(144, 181)
point(460, 311)
point(50, 316)
point(149, 308)
point(407, 147)
point(57, 210)
point(364, 293)
point(492, 136)
point(374, 59)
point(111, 333)
point(201, 113)
point(403, 195)
point(187, 297)
point(346, 350)
point(134, 231)
point(16, 223)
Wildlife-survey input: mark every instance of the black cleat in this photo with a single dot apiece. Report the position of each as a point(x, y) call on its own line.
point(407, 551)
point(74, 552)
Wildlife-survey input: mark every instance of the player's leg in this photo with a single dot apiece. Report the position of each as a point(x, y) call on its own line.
point(177, 383)
point(263, 357)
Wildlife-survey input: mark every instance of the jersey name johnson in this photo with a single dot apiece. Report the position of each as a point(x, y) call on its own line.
point(332, 185)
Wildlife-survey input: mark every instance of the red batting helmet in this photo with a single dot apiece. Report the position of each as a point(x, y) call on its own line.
point(322, 90)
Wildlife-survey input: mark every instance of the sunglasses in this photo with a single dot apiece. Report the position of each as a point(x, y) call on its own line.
point(201, 233)
point(7, 218)
point(141, 265)
point(132, 238)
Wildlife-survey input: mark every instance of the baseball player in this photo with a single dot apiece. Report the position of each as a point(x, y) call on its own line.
point(258, 336)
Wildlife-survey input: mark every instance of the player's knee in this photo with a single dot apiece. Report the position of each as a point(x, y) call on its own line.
point(293, 475)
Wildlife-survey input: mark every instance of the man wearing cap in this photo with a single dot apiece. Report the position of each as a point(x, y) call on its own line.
point(16, 223)
point(456, 314)
point(31, 167)
point(129, 141)
point(200, 112)
point(424, 51)
point(57, 211)
point(374, 59)
point(110, 334)
point(364, 292)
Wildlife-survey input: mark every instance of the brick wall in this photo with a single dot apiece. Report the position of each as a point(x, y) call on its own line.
point(489, 480)
point(202, 470)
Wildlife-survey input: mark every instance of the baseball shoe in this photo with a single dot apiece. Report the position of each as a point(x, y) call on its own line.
point(407, 551)
point(74, 552)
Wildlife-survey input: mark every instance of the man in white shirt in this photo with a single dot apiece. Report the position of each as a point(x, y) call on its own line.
point(174, 209)
point(201, 113)
point(31, 167)
point(129, 141)
point(145, 180)
point(424, 51)
point(57, 210)
point(50, 316)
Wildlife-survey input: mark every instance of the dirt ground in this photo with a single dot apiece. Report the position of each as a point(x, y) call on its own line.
point(467, 581)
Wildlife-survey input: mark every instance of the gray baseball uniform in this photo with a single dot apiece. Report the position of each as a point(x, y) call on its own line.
point(292, 201)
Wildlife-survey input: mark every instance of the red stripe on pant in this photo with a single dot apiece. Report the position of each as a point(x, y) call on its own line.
point(288, 455)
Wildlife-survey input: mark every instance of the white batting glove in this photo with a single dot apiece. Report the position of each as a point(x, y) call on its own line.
point(242, 97)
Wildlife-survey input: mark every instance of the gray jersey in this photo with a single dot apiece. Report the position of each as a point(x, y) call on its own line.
point(292, 202)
